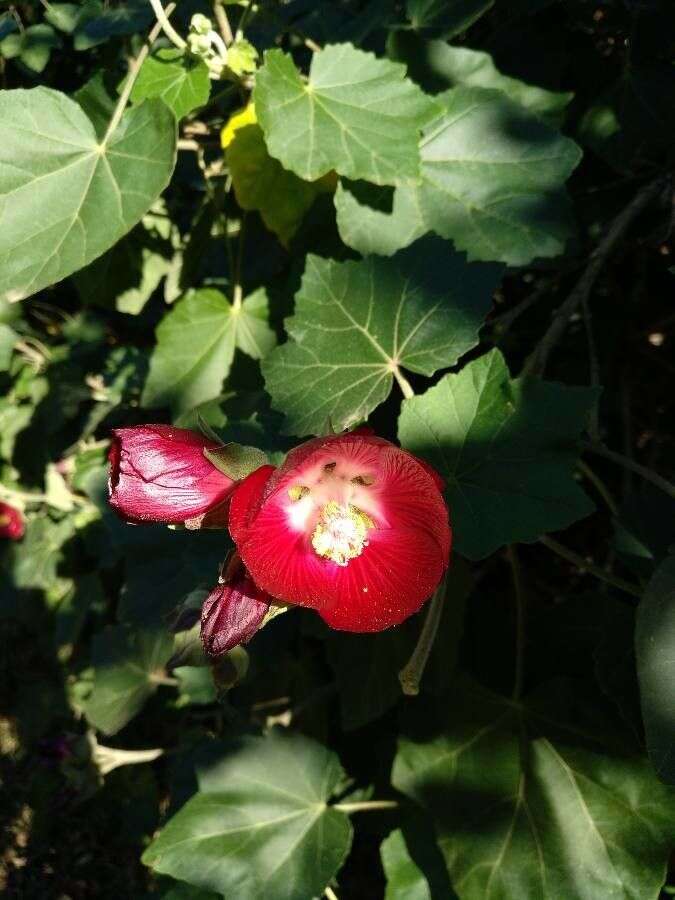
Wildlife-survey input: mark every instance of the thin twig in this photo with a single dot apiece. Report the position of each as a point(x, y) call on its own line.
point(162, 16)
point(537, 361)
point(132, 76)
point(648, 474)
point(600, 487)
point(520, 620)
point(586, 566)
point(594, 367)
point(223, 23)
point(411, 674)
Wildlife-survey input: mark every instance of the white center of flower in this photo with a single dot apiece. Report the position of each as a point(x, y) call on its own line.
point(341, 532)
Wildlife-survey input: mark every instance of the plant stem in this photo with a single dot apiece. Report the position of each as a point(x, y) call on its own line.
point(648, 474)
point(329, 893)
point(536, 363)
point(223, 22)
point(403, 383)
point(516, 574)
point(600, 487)
point(411, 674)
point(133, 75)
point(592, 569)
point(366, 805)
point(162, 16)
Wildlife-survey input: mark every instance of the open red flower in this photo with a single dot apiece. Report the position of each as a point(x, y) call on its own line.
point(11, 522)
point(160, 474)
point(349, 525)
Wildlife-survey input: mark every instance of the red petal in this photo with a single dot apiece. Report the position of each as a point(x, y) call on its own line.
point(11, 522)
point(397, 571)
point(233, 612)
point(160, 474)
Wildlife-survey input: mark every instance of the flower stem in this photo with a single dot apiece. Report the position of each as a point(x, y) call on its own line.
point(223, 22)
point(366, 805)
point(134, 70)
point(520, 620)
point(411, 674)
point(600, 487)
point(592, 569)
point(648, 474)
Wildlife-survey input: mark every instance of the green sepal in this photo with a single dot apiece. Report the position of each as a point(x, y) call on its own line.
point(236, 460)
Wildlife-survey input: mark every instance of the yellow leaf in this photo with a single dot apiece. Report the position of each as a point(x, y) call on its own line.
point(239, 119)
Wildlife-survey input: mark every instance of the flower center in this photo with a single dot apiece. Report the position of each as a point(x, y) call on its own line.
point(341, 532)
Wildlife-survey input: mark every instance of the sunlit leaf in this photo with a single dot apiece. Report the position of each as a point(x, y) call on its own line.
point(196, 343)
point(356, 114)
point(356, 323)
point(176, 77)
point(72, 197)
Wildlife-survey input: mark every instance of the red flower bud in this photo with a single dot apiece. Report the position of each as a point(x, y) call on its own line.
point(233, 611)
point(11, 522)
point(160, 474)
point(350, 525)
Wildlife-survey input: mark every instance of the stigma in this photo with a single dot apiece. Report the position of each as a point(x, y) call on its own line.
point(341, 532)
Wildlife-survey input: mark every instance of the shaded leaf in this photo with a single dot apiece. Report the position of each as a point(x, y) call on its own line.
point(492, 180)
point(73, 197)
point(525, 806)
point(261, 183)
point(355, 323)
point(196, 343)
point(357, 114)
point(126, 666)
point(655, 651)
point(446, 17)
point(507, 448)
point(259, 825)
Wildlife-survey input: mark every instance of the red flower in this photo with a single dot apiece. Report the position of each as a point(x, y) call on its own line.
point(11, 522)
point(233, 611)
point(350, 525)
point(160, 474)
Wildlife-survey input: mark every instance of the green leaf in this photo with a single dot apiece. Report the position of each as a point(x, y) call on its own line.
point(405, 880)
point(196, 343)
point(73, 197)
point(448, 17)
point(63, 16)
point(449, 67)
point(492, 180)
point(260, 825)
point(127, 665)
point(195, 684)
point(261, 183)
point(8, 337)
point(507, 449)
point(655, 650)
point(33, 46)
point(236, 461)
point(358, 323)
point(357, 114)
point(528, 806)
point(37, 559)
point(178, 78)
